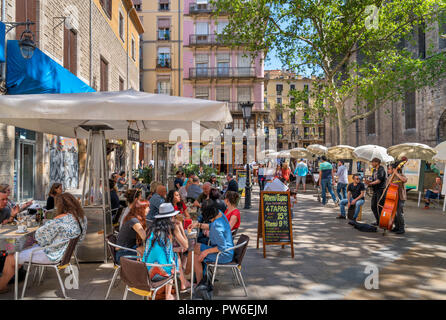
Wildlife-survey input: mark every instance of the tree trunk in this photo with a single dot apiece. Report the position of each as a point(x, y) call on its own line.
point(342, 124)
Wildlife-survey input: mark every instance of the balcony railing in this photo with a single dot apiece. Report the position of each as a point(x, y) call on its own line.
point(235, 106)
point(163, 35)
point(168, 92)
point(163, 63)
point(222, 73)
point(205, 40)
point(195, 8)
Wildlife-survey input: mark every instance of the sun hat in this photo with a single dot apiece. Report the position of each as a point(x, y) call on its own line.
point(166, 210)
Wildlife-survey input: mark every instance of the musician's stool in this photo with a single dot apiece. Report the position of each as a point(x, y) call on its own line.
point(351, 213)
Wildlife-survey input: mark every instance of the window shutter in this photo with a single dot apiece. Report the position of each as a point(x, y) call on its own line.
point(243, 61)
point(201, 28)
point(223, 93)
point(202, 58)
point(221, 26)
point(223, 57)
point(163, 23)
point(243, 94)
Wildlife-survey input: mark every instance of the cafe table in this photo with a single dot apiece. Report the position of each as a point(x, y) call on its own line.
point(13, 243)
point(192, 239)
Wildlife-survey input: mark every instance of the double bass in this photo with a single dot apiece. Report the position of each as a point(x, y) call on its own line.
point(391, 201)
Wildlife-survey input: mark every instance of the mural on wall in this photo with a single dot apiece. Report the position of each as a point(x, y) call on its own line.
point(64, 164)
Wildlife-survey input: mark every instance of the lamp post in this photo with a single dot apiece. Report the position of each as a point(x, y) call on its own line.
point(247, 113)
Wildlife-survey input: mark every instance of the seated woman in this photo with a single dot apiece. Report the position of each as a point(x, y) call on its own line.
point(159, 250)
point(132, 196)
point(55, 190)
point(69, 223)
point(433, 193)
point(12, 208)
point(132, 233)
point(174, 198)
point(220, 239)
point(232, 213)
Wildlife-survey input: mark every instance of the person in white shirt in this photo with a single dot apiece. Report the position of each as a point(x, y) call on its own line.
point(261, 176)
point(342, 175)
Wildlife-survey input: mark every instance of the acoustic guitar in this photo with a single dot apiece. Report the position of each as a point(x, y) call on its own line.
point(391, 202)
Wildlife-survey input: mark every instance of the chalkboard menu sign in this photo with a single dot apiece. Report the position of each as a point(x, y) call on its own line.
point(275, 224)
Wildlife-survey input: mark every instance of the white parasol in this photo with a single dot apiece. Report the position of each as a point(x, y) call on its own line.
point(370, 151)
point(317, 149)
point(412, 150)
point(340, 152)
point(300, 153)
point(284, 154)
point(441, 152)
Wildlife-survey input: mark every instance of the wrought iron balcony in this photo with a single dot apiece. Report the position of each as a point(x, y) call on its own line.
point(163, 34)
point(205, 40)
point(163, 63)
point(235, 106)
point(195, 8)
point(222, 73)
point(168, 92)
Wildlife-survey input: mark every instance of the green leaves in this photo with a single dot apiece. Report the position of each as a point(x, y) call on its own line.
point(363, 50)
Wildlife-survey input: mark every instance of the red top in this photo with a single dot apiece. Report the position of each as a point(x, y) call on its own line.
point(286, 174)
point(182, 210)
point(236, 213)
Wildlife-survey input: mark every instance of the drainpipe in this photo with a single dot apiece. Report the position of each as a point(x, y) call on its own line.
point(91, 46)
point(3, 10)
point(3, 66)
point(128, 15)
point(179, 48)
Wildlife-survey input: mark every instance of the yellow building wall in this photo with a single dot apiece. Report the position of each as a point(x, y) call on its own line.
point(149, 15)
point(118, 6)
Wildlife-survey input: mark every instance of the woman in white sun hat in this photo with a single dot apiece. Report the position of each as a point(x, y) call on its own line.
point(164, 230)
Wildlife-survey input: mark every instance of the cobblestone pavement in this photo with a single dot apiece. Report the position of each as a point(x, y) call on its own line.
point(330, 260)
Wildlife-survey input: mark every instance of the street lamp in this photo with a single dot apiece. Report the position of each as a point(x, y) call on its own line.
point(27, 44)
point(247, 113)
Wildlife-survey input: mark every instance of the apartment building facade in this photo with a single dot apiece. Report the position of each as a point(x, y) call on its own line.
point(294, 128)
point(97, 41)
point(161, 46)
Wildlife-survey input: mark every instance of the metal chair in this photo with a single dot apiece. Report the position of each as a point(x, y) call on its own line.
point(111, 248)
point(136, 278)
point(63, 263)
point(235, 265)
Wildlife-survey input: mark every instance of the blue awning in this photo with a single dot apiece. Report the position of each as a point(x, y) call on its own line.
point(2, 41)
point(40, 74)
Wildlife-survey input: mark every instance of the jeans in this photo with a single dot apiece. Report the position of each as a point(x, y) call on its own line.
point(261, 182)
point(342, 187)
point(399, 218)
point(358, 206)
point(327, 184)
point(377, 210)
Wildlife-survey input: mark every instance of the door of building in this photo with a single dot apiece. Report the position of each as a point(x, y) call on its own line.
point(25, 170)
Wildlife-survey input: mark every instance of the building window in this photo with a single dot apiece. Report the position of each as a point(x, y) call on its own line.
point(279, 88)
point(202, 93)
point(292, 87)
point(306, 132)
point(321, 132)
point(279, 131)
point(121, 84)
point(243, 94)
point(121, 26)
point(104, 74)
point(221, 26)
point(371, 124)
point(293, 118)
point(279, 101)
point(163, 29)
point(410, 110)
point(442, 32)
point(223, 64)
point(107, 7)
point(164, 5)
point(163, 60)
point(223, 93)
point(422, 41)
point(163, 87)
point(133, 49)
point(279, 116)
point(70, 50)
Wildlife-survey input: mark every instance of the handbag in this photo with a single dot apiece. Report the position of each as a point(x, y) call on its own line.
point(204, 290)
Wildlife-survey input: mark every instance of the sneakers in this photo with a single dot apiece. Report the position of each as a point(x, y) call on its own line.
point(400, 232)
point(340, 217)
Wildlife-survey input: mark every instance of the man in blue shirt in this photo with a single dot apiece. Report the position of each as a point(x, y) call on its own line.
point(326, 177)
point(155, 201)
point(301, 172)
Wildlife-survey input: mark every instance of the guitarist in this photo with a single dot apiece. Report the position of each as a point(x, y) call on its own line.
point(378, 185)
point(399, 179)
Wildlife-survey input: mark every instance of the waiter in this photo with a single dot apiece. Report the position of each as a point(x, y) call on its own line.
point(378, 184)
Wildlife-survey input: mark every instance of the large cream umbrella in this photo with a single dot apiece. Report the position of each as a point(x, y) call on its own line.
point(317, 149)
point(300, 153)
point(441, 152)
point(370, 151)
point(412, 150)
point(284, 154)
point(340, 152)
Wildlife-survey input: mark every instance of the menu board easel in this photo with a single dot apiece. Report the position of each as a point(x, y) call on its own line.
point(275, 224)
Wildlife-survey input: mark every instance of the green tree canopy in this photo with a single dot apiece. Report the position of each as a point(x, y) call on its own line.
point(360, 51)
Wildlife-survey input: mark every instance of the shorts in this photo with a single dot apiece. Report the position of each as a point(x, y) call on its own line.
point(299, 179)
point(39, 256)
